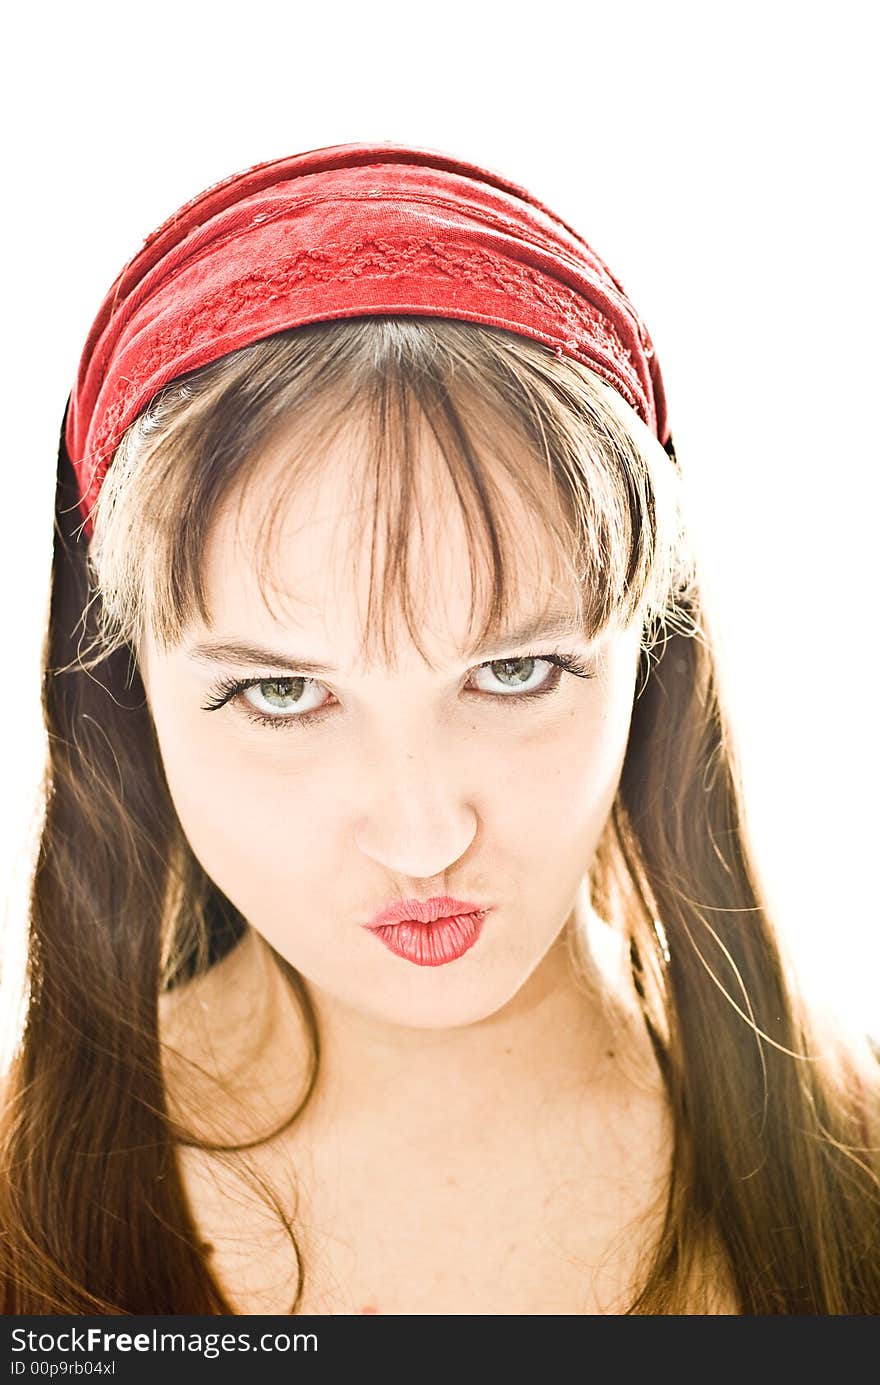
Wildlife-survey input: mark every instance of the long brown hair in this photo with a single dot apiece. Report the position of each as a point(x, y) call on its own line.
point(775, 1115)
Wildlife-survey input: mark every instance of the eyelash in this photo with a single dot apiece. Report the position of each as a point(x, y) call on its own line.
point(229, 688)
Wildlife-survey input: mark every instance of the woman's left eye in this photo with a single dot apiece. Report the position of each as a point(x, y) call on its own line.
point(520, 677)
point(517, 676)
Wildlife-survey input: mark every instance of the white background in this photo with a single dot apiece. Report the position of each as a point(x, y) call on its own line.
point(722, 163)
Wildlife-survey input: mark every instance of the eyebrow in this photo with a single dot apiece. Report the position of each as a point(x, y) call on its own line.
point(547, 626)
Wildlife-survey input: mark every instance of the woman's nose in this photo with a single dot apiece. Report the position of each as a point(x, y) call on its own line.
point(417, 820)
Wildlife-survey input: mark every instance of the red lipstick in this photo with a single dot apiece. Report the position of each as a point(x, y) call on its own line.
point(429, 932)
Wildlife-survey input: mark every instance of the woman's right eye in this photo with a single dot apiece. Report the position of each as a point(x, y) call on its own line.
point(279, 695)
point(276, 697)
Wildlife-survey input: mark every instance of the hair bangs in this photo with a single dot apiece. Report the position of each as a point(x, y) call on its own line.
point(530, 446)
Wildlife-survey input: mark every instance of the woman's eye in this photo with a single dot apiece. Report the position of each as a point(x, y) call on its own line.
point(522, 675)
point(274, 697)
point(287, 701)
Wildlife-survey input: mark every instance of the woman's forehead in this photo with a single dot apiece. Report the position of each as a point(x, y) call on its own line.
point(300, 476)
point(306, 556)
point(318, 595)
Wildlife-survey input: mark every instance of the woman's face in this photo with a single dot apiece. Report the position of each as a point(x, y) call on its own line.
point(407, 782)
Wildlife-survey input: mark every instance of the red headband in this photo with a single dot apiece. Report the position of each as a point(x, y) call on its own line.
point(345, 231)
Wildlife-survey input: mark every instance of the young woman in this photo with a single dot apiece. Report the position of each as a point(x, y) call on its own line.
point(395, 941)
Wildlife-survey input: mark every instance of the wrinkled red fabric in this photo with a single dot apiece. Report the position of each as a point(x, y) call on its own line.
point(344, 231)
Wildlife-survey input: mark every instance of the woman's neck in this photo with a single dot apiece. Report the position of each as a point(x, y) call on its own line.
point(573, 1027)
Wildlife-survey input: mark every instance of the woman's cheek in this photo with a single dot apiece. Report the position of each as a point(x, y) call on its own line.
point(562, 789)
point(267, 814)
point(232, 793)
